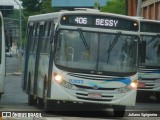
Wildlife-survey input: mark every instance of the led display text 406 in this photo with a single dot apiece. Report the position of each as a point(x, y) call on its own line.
point(81, 20)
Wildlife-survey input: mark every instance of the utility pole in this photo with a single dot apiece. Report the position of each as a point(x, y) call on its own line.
point(20, 34)
point(139, 8)
point(20, 24)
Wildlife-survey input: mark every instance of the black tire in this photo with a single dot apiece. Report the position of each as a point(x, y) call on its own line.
point(47, 106)
point(119, 111)
point(40, 102)
point(32, 100)
point(157, 96)
point(46, 102)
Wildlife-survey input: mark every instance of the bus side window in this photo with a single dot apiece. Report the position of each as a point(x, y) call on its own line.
point(49, 35)
point(44, 38)
point(32, 38)
point(29, 36)
point(36, 35)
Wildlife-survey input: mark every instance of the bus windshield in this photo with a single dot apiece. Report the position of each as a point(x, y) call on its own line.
point(152, 50)
point(96, 51)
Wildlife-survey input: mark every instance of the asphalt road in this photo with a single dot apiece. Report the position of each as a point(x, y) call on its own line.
point(14, 99)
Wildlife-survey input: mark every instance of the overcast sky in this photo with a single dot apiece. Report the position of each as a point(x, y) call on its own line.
point(10, 2)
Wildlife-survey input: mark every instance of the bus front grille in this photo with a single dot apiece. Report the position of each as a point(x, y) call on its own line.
point(90, 99)
point(84, 96)
point(92, 88)
point(150, 83)
point(90, 76)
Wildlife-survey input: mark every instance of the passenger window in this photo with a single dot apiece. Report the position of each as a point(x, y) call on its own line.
point(35, 37)
point(50, 30)
point(29, 36)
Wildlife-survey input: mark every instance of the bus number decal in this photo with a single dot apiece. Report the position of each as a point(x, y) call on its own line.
point(73, 81)
point(81, 20)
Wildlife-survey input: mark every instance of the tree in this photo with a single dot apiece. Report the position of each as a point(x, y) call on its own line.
point(32, 5)
point(96, 5)
point(46, 6)
point(115, 6)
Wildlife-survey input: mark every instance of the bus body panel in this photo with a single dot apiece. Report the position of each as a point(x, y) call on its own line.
point(31, 72)
point(108, 93)
point(149, 72)
point(42, 73)
point(2, 54)
point(150, 80)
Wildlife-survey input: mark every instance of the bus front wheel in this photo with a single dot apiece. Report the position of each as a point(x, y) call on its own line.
point(119, 111)
point(31, 100)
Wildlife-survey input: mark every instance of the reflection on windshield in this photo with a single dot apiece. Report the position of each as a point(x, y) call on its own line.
point(112, 45)
point(152, 50)
point(72, 53)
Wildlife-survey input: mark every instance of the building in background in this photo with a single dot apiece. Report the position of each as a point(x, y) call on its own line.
point(150, 9)
point(6, 10)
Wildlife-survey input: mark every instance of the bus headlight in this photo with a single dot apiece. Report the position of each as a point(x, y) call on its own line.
point(133, 85)
point(59, 79)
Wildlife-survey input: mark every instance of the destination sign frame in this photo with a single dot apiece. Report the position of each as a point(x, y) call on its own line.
point(100, 21)
point(146, 26)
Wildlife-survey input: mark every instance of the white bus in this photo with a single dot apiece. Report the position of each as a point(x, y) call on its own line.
point(149, 69)
point(2, 56)
point(86, 57)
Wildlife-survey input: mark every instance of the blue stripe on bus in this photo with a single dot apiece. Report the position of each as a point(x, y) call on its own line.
point(126, 81)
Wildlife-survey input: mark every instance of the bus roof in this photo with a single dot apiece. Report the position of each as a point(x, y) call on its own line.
point(79, 11)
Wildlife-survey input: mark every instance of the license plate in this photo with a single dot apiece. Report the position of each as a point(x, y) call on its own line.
point(141, 84)
point(94, 95)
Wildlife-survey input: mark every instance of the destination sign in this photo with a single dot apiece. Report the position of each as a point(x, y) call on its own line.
point(106, 22)
point(150, 27)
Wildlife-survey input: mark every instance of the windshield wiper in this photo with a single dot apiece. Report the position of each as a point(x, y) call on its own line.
point(112, 45)
point(83, 39)
point(154, 38)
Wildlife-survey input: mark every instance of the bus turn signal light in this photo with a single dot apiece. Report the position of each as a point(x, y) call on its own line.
point(134, 84)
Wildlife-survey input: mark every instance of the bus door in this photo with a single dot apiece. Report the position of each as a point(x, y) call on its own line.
point(52, 46)
point(29, 35)
point(38, 56)
point(44, 56)
point(32, 57)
